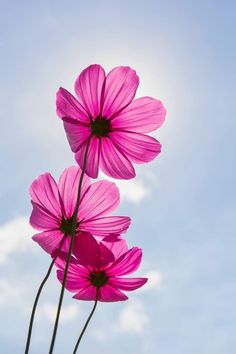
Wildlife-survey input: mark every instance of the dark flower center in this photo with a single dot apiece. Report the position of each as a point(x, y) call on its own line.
point(100, 127)
point(98, 278)
point(66, 226)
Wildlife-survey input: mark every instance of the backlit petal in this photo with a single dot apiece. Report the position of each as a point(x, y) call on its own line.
point(88, 293)
point(42, 220)
point(116, 244)
point(88, 88)
point(101, 198)
point(75, 269)
point(44, 192)
point(68, 188)
point(126, 283)
point(127, 263)
point(142, 116)
point(49, 240)
point(114, 163)
point(108, 293)
point(138, 148)
point(77, 134)
point(121, 85)
point(73, 283)
point(69, 107)
point(106, 256)
point(106, 226)
point(93, 157)
point(87, 251)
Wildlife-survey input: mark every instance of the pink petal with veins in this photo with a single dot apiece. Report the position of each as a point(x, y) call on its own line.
point(68, 188)
point(113, 162)
point(126, 283)
point(141, 116)
point(73, 283)
point(77, 134)
point(69, 107)
point(116, 244)
point(49, 240)
point(93, 156)
point(109, 294)
point(100, 199)
point(138, 148)
point(44, 192)
point(87, 294)
point(89, 87)
point(106, 226)
point(42, 220)
point(126, 264)
point(120, 88)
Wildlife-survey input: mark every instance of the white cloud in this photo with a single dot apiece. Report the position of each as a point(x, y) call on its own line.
point(100, 334)
point(12, 294)
point(132, 318)
point(15, 236)
point(68, 312)
point(133, 190)
point(154, 281)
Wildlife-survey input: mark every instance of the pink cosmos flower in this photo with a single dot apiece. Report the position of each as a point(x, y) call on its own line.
point(53, 208)
point(96, 271)
point(105, 113)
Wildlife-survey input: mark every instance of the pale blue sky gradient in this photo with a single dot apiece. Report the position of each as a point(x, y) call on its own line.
point(184, 53)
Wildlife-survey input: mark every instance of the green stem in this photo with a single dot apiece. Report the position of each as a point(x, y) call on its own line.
point(38, 296)
point(73, 232)
point(85, 326)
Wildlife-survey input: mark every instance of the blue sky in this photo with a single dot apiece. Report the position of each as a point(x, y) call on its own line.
point(182, 204)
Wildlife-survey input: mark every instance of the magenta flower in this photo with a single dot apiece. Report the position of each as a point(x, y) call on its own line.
point(96, 270)
point(53, 208)
point(106, 114)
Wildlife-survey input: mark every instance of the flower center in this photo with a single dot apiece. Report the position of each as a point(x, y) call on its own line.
point(66, 226)
point(100, 127)
point(98, 278)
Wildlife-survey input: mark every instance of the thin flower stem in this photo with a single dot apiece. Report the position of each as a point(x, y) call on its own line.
point(38, 296)
point(85, 326)
point(73, 232)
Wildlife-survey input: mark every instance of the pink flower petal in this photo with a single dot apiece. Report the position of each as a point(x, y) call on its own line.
point(89, 293)
point(69, 107)
point(117, 245)
point(75, 269)
point(113, 162)
point(126, 264)
point(49, 240)
point(126, 283)
point(106, 226)
point(138, 148)
point(106, 256)
point(68, 188)
point(87, 251)
point(44, 192)
point(121, 85)
point(73, 283)
point(88, 88)
point(141, 116)
point(108, 293)
point(100, 199)
point(92, 157)
point(42, 220)
point(77, 134)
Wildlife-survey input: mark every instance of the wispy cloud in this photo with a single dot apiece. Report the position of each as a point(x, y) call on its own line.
point(154, 281)
point(133, 317)
point(133, 191)
point(15, 236)
point(11, 294)
point(48, 311)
